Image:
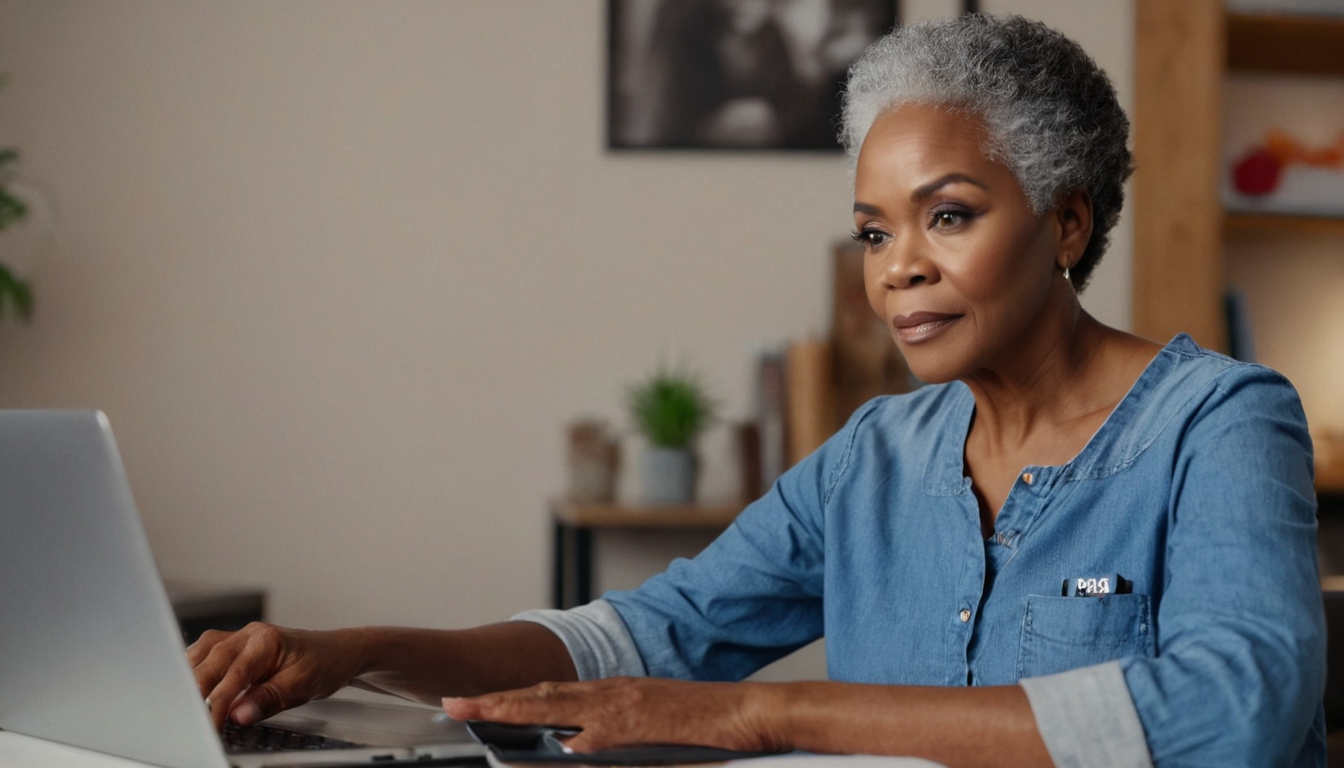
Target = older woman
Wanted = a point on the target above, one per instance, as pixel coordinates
(1074, 545)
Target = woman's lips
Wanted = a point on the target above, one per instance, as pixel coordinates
(921, 325)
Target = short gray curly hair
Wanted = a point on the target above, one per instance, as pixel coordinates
(1051, 113)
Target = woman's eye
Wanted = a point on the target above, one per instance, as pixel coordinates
(869, 238)
(949, 219)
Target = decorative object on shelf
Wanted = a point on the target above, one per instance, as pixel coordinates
(670, 409)
(1284, 175)
(748, 434)
(594, 458)
(810, 390)
(728, 74)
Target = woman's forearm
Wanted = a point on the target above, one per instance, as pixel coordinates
(426, 665)
(990, 726)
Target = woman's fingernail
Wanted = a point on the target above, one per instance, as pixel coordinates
(246, 713)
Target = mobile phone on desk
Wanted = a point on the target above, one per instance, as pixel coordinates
(511, 746)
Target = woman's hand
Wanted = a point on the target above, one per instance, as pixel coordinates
(262, 669)
(623, 711)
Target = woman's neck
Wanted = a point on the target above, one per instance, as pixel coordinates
(1062, 379)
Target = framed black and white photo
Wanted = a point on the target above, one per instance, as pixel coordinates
(734, 74)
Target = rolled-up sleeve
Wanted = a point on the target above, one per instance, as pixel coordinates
(595, 637)
(1087, 718)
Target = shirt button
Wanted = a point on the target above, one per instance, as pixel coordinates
(965, 615)
(1028, 478)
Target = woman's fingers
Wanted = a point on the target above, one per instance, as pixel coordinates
(211, 656)
(198, 650)
(251, 665)
(287, 688)
(626, 711)
(227, 665)
(540, 704)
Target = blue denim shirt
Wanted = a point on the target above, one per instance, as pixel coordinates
(1197, 491)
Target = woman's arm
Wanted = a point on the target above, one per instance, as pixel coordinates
(989, 726)
(262, 669)
(1240, 667)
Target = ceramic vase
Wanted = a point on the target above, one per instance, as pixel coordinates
(667, 476)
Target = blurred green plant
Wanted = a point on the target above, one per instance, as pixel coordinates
(670, 408)
(14, 293)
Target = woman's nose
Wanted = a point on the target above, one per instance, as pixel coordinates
(906, 264)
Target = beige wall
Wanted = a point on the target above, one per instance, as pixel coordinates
(340, 272)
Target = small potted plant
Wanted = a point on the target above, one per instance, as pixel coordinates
(670, 408)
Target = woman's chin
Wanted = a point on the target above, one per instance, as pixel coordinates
(933, 371)
(932, 366)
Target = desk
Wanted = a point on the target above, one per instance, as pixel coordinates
(18, 751)
(572, 535)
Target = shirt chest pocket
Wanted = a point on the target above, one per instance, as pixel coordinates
(1063, 633)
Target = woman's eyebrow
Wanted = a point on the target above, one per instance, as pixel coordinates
(951, 178)
(871, 210)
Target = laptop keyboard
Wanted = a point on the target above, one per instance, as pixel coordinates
(265, 738)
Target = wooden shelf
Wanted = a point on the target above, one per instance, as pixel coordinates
(704, 517)
(1276, 222)
(574, 525)
(1302, 45)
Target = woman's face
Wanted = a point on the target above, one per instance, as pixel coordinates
(955, 262)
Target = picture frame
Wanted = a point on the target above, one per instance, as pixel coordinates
(734, 74)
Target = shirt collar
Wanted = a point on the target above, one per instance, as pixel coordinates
(1140, 416)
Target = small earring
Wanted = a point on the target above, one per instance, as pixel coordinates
(1066, 271)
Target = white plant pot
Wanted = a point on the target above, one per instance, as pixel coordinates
(667, 475)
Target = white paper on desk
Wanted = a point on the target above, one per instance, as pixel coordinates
(835, 761)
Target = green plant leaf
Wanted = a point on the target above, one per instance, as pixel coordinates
(670, 408)
(11, 208)
(18, 293)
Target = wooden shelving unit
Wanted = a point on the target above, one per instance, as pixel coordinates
(1183, 52)
(712, 516)
(574, 523)
(1296, 45)
(1236, 223)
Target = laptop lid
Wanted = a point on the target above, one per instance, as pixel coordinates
(91, 654)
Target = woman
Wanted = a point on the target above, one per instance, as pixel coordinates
(1075, 546)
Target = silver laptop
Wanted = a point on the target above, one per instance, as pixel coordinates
(90, 652)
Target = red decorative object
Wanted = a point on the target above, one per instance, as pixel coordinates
(1258, 172)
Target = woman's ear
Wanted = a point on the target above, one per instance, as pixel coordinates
(1075, 227)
